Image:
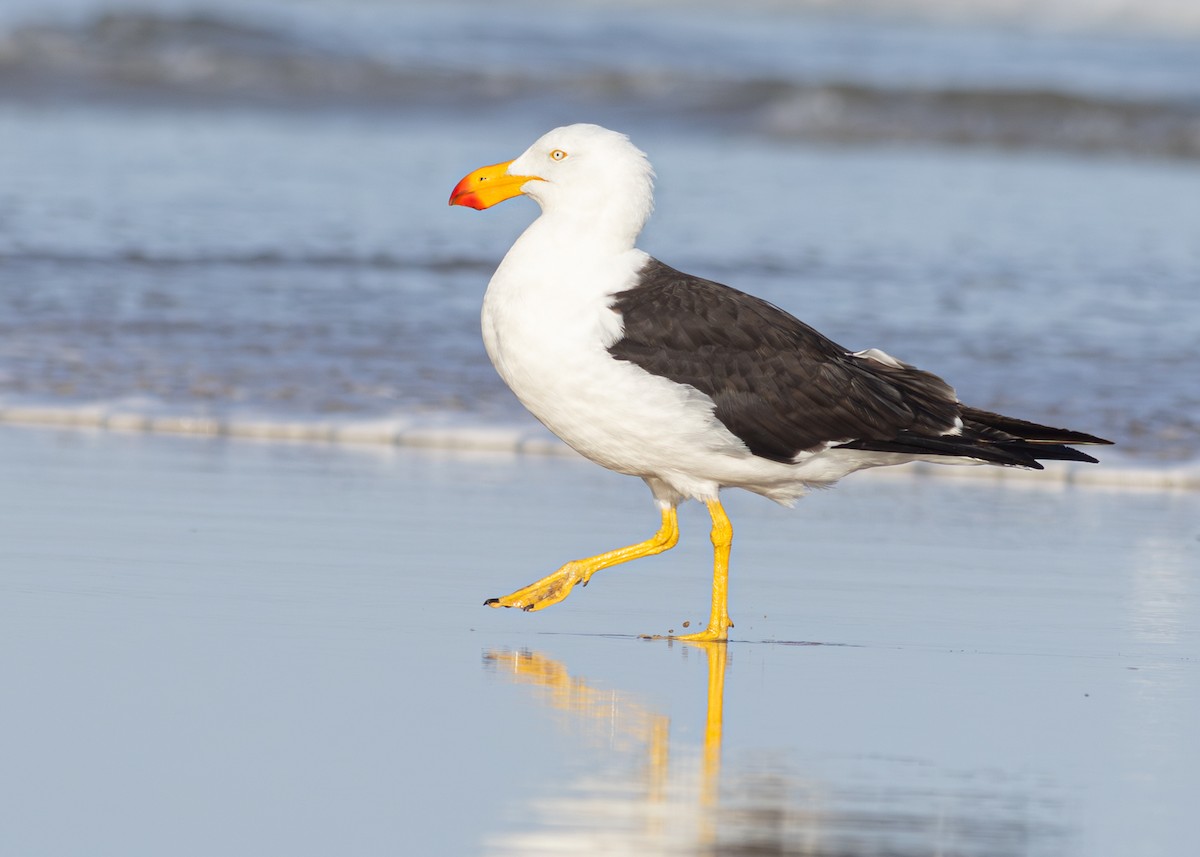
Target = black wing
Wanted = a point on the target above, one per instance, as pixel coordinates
(783, 388)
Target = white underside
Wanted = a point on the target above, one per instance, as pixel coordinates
(547, 326)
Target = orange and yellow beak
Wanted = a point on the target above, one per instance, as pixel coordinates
(487, 186)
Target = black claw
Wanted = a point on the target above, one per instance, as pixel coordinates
(527, 607)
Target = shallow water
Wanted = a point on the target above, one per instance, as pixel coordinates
(246, 648)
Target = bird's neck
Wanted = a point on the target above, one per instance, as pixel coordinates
(583, 237)
(558, 260)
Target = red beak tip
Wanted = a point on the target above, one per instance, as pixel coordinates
(468, 200)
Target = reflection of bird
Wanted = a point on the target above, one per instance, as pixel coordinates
(687, 383)
(628, 812)
(649, 790)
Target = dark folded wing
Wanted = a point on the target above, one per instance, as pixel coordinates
(778, 384)
(783, 388)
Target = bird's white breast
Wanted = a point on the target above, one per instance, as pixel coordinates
(547, 325)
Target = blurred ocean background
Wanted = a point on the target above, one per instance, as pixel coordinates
(231, 216)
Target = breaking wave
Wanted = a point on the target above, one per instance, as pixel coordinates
(1006, 118)
(460, 433)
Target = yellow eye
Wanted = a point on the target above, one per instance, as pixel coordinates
(558, 154)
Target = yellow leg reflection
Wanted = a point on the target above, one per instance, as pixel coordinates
(555, 587)
(677, 798)
(614, 712)
(714, 719)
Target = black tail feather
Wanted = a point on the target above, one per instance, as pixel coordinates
(1056, 452)
(948, 445)
(991, 437)
(974, 418)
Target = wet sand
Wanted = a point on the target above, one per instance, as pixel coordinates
(213, 646)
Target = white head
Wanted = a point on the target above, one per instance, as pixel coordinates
(581, 175)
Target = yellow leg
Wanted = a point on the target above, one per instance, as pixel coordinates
(722, 538)
(557, 586)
